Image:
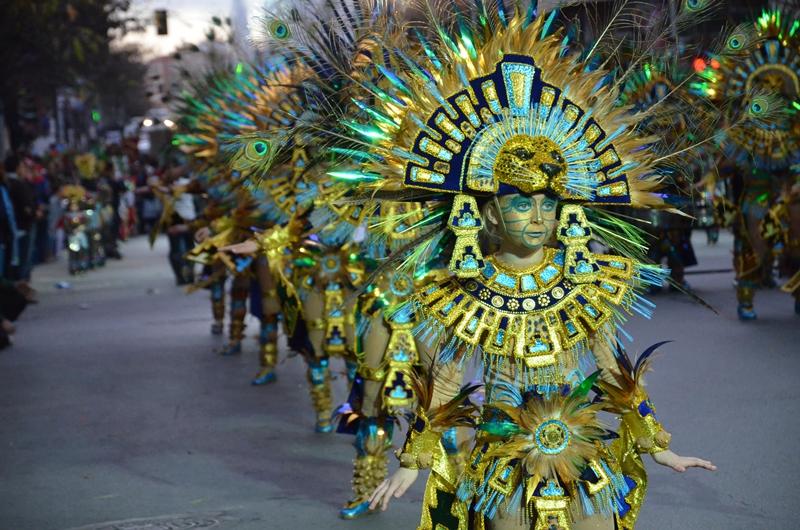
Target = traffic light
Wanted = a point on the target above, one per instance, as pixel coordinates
(161, 21)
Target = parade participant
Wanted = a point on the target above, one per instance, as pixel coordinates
(313, 253)
(179, 226)
(75, 222)
(760, 159)
(387, 355)
(233, 207)
(517, 146)
(23, 199)
(662, 82)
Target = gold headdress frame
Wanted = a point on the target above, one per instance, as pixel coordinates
(529, 137)
(514, 110)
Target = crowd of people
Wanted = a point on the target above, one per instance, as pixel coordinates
(74, 204)
(24, 228)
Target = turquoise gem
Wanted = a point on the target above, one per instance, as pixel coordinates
(469, 262)
(506, 281)
(401, 356)
(398, 392)
(466, 220)
(538, 347)
(575, 231)
(528, 283)
(548, 273)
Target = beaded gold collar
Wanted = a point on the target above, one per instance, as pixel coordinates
(532, 315)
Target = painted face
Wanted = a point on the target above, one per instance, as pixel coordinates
(528, 220)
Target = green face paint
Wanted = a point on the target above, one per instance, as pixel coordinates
(528, 220)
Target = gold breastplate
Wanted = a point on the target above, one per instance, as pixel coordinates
(535, 317)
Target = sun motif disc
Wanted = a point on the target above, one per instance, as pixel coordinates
(552, 437)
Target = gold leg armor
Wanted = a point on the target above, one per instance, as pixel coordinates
(239, 293)
(268, 350)
(320, 389)
(372, 443)
(217, 306)
(744, 295)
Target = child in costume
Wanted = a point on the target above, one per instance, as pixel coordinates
(515, 145)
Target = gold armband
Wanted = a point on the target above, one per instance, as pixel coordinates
(646, 431)
(315, 324)
(372, 374)
(422, 447)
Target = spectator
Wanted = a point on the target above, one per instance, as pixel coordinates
(147, 202)
(14, 298)
(179, 229)
(23, 199)
(9, 243)
(42, 236)
(14, 295)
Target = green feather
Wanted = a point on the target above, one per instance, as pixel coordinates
(502, 429)
(582, 390)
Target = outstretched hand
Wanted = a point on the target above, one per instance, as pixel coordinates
(394, 486)
(681, 463)
(202, 234)
(248, 248)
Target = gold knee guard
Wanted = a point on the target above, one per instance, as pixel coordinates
(269, 355)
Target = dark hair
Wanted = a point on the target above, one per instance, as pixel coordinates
(11, 163)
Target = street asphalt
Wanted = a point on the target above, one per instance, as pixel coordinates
(116, 413)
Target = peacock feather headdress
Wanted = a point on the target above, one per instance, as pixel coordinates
(758, 74)
(493, 100)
